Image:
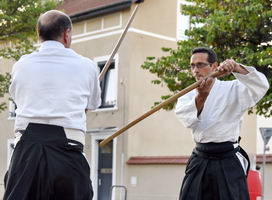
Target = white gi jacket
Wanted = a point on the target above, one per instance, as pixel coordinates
(54, 86)
(222, 113)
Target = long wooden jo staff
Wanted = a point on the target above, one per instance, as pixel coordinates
(115, 49)
(158, 107)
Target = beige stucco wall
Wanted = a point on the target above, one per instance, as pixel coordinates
(160, 134)
(154, 182)
(268, 182)
(157, 16)
(248, 133)
(6, 128)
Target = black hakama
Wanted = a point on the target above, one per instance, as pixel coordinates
(214, 172)
(45, 167)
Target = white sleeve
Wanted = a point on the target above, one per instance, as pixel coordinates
(95, 98)
(186, 110)
(12, 84)
(251, 87)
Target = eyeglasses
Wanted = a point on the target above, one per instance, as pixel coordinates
(199, 65)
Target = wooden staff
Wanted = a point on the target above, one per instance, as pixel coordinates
(115, 49)
(158, 107)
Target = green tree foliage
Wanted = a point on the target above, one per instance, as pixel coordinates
(4, 82)
(18, 20)
(238, 29)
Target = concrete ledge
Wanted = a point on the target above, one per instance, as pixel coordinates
(168, 160)
(259, 158)
(151, 160)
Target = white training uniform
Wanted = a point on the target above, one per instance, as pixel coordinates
(62, 85)
(221, 117)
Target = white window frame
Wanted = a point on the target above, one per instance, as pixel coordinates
(116, 63)
(10, 149)
(181, 30)
(12, 113)
(180, 35)
(97, 135)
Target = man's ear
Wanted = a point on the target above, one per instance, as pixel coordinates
(66, 36)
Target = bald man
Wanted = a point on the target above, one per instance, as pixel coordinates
(52, 88)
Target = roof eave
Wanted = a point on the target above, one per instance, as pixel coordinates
(103, 10)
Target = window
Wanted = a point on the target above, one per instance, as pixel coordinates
(183, 21)
(10, 149)
(108, 85)
(12, 108)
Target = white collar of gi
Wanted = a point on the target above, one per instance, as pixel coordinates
(51, 44)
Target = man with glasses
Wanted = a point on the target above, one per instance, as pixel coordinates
(218, 166)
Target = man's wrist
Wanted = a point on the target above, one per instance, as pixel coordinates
(240, 69)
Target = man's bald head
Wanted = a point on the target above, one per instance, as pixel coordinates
(52, 24)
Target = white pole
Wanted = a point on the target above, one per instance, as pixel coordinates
(263, 177)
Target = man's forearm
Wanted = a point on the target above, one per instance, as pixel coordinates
(240, 69)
